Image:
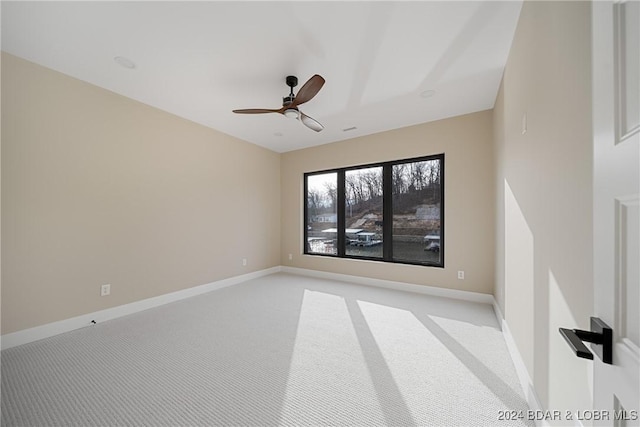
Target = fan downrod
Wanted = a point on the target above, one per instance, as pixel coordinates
(292, 81)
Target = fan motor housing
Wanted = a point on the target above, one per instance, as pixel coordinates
(287, 100)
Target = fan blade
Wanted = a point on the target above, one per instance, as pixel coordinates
(310, 123)
(308, 90)
(256, 111)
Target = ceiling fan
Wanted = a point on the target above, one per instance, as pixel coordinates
(290, 103)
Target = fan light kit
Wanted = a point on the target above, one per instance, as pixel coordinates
(292, 113)
(290, 103)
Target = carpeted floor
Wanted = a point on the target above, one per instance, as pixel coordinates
(279, 350)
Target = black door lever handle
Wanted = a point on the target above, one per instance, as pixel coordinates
(600, 336)
(576, 343)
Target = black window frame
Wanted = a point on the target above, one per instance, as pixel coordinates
(387, 197)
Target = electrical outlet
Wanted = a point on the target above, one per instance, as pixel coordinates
(461, 275)
(105, 290)
(244, 261)
(290, 257)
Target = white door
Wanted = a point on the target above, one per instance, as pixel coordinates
(616, 115)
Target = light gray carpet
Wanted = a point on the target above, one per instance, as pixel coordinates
(279, 350)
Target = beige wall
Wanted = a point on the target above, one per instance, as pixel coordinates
(469, 199)
(98, 188)
(544, 196)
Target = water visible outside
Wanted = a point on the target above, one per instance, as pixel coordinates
(415, 190)
(402, 251)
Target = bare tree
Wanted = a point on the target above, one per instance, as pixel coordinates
(419, 174)
(354, 187)
(433, 172)
(372, 180)
(434, 176)
(398, 178)
(331, 192)
(314, 201)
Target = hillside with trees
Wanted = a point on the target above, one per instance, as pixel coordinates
(415, 196)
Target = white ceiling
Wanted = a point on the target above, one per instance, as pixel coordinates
(200, 60)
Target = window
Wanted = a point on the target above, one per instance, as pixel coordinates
(363, 212)
(322, 213)
(392, 211)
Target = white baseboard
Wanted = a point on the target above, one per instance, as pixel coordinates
(50, 329)
(401, 286)
(44, 331)
(523, 374)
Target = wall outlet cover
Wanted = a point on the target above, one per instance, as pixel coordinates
(105, 290)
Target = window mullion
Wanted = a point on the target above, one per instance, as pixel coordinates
(387, 213)
(341, 213)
